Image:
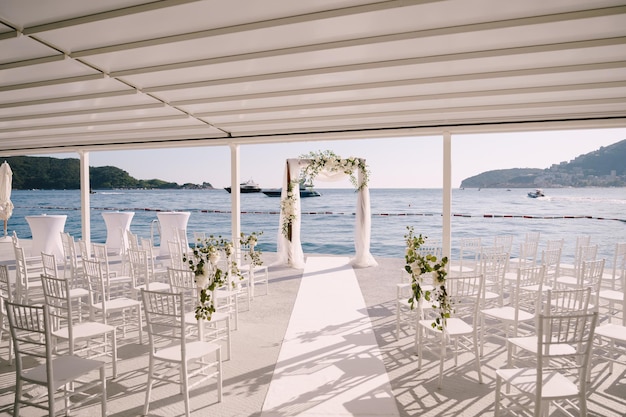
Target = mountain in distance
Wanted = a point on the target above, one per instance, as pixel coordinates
(45, 173)
(605, 167)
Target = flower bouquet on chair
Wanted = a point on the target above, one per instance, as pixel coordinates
(204, 262)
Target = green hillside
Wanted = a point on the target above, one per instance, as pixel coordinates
(47, 173)
(605, 167)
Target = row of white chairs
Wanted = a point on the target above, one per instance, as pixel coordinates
(93, 270)
(516, 318)
(56, 321)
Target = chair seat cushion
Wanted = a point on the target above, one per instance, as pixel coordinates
(613, 331)
(507, 313)
(84, 330)
(154, 286)
(554, 384)
(65, 370)
(78, 292)
(194, 350)
(529, 343)
(454, 326)
(612, 295)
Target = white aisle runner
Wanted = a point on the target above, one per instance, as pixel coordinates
(329, 363)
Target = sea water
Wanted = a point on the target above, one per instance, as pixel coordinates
(328, 222)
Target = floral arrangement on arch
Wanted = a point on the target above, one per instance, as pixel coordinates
(319, 162)
(331, 162)
(420, 266)
(204, 262)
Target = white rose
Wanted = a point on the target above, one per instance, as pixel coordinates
(214, 257)
(202, 280)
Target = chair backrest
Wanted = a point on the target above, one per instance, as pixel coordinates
(181, 236)
(584, 254)
(31, 335)
(175, 254)
(470, 250)
(591, 276)
(493, 263)
(57, 297)
(97, 284)
(528, 253)
(183, 281)
(85, 251)
(139, 268)
(165, 318)
(620, 274)
(70, 258)
(555, 244)
(21, 272)
(49, 263)
(69, 252)
(567, 301)
(466, 293)
(560, 333)
(551, 259)
(528, 288)
(101, 254)
(133, 241)
(504, 240)
(6, 292)
(147, 245)
(618, 265)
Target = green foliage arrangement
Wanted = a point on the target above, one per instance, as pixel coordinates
(204, 262)
(420, 265)
(250, 242)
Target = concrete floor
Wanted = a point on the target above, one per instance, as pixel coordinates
(256, 348)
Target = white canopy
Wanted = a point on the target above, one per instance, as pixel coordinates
(134, 73)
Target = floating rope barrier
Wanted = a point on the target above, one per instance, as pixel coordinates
(339, 213)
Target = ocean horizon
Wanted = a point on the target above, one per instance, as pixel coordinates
(328, 221)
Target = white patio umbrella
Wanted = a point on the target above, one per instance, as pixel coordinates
(6, 206)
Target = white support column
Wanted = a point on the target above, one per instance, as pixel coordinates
(447, 194)
(235, 194)
(85, 204)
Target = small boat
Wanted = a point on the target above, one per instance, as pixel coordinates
(247, 187)
(306, 190)
(536, 194)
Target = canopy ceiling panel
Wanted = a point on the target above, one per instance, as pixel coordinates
(60, 91)
(81, 104)
(128, 73)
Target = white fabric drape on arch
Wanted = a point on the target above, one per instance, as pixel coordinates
(290, 252)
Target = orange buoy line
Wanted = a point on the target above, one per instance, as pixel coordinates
(339, 213)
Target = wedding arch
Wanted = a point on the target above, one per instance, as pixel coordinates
(325, 166)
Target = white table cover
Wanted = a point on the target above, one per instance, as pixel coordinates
(117, 224)
(171, 222)
(46, 231)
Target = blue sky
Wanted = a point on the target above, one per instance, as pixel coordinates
(410, 162)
